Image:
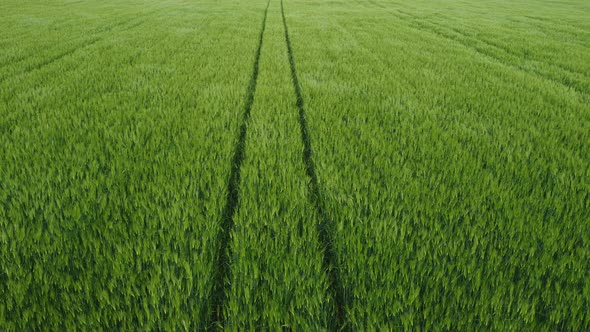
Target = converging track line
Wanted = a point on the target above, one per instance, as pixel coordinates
(218, 297)
(325, 223)
(46, 62)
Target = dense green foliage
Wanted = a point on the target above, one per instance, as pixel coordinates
(364, 165)
(457, 172)
(113, 167)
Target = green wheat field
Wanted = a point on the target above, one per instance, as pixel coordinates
(295, 165)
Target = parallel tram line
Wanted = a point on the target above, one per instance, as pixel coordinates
(423, 25)
(488, 43)
(382, 61)
(559, 25)
(325, 224)
(218, 297)
(86, 44)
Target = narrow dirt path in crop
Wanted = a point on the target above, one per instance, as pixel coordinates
(325, 223)
(218, 297)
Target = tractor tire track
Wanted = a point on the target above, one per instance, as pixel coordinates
(383, 62)
(26, 34)
(548, 27)
(62, 55)
(563, 26)
(325, 224)
(500, 47)
(218, 297)
(418, 24)
(568, 83)
(24, 31)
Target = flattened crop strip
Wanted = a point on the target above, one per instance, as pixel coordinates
(325, 222)
(218, 297)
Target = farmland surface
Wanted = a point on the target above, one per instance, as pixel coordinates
(295, 164)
